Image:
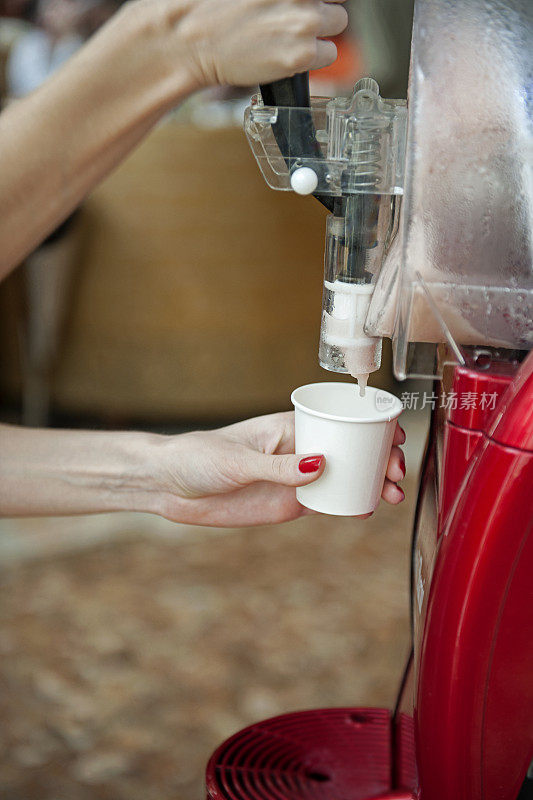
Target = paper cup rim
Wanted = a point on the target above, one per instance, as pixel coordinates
(394, 413)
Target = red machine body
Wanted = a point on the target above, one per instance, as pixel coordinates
(463, 726)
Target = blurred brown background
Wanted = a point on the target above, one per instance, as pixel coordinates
(184, 293)
(197, 291)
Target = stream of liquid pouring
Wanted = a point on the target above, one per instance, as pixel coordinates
(362, 380)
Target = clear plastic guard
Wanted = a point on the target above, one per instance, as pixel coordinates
(358, 143)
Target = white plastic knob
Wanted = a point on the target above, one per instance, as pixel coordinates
(304, 180)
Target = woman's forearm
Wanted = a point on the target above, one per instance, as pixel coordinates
(57, 143)
(53, 472)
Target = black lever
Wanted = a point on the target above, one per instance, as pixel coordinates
(288, 92)
(300, 140)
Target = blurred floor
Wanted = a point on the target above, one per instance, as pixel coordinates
(130, 647)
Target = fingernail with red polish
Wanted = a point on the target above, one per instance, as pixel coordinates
(402, 466)
(310, 464)
(402, 493)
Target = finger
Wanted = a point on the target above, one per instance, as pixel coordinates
(391, 493)
(286, 441)
(308, 512)
(326, 54)
(399, 434)
(334, 19)
(278, 433)
(289, 470)
(270, 433)
(396, 465)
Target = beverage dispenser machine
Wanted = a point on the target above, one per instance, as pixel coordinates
(428, 242)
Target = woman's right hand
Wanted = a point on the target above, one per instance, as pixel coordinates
(247, 42)
(61, 140)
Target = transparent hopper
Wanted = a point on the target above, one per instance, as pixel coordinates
(461, 270)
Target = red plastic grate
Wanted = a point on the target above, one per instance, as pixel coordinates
(339, 753)
(406, 773)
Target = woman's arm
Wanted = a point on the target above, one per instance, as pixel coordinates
(57, 143)
(61, 472)
(243, 474)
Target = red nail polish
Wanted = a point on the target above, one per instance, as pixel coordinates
(402, 467)
(310, 464)
(402, 493)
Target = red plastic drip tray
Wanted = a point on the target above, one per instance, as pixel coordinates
(327, 754)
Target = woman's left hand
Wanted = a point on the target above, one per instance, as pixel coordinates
(245, 474)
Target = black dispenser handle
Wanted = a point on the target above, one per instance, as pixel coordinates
(299, 141)
(287, 92)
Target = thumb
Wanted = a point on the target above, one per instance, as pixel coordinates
(290, 470)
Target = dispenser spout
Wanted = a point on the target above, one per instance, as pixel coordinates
(344, 345)
(350, 153)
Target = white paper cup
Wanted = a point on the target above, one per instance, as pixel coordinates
(355, 434)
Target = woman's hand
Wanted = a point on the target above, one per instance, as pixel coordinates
(245, 474)
(246, 42)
